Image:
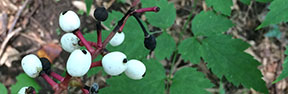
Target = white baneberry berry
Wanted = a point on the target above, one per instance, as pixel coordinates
(117, 39)
(31, 65)
(135, 69)
(69, 42)
(113, 63)
(78, 63)
(69, 21)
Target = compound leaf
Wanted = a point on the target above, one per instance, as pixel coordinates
(3, 89)
(189, 81)
(152, 83)
(22, 81)
(276, 14)
(223, 6)
(165, 46)
(208, 23)
(284, 73)
(165, 17)
(190, 50)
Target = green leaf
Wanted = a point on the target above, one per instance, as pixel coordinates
(93, 71)
(264, 1)
(165, 17)
(226, 57)
(190, 50)
(88, 5)
(112, 19)
(277, 13)
(121, 1)
(221, 88)
(189, 81)
(247, 2)
(284, 73)
(22, 81)
(152, 83)
(3, 89)
(208, 23)
(223, 6)
(165, 46)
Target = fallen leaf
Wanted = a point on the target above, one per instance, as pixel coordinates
(10, 55)
(49, 51)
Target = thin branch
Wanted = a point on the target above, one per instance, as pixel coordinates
(18, 15)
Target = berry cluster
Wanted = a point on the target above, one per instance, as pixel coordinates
(80, 61)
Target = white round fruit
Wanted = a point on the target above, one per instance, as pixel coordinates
(78, 63)
(117, 39)
(135, 69)
(113, 63)
(22, 90)
(69, 21)
(69, 42)
(31, 65)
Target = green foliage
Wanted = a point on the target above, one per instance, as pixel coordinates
(93, 71)
(80, 12)
(165, 17)
(284, 73)
(247, 2)
(224, 55)
(274, 32)
(277, 13)
(221, 88)
(3, 89)
(88, 5)
(112, 19)
(189, 50)
(22, 81)
(189, 81)
(121, 1)
(152, 83)
(223, 6)
(264, 1)
(165, 46)
(208, 23)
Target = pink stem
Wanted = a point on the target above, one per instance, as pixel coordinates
(57, 76)
(89, 42)
(96, 64)
(49, 80)
(99, 36)
(84, 41)
(66, 80)
(85, 91)
(150, 9)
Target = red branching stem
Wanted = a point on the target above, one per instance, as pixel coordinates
(57, 76)
(99, 36)
(89, 42)
(53, 84)
(85, 91)
(84, 41)
(96, 64)
(65, 82)
(124, 22)
(150, 9)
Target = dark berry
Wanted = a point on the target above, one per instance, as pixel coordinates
(100, 14)
(150, 42)
(46, 65)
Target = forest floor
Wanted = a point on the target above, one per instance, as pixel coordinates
(38, 26)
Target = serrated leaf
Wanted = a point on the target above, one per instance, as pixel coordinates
(165, 17)
(22, 81)
(152, 83)
(208, 23)
(88, 5)
(189, 81)
(223, 6)
(165, 46)
(226, 57)
(3, 89)
(277, 13)
(190, 50)
(284, 73)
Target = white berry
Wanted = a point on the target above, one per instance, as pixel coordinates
(113, 63)
(78, 63)
(69, 42)
(31, 65)
(22, 90)
(117, 39)
(69, 21)
(135, 69)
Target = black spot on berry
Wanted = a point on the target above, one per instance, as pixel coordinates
(144, 74)
(157, 9)
(84, 51)
(100, 14)
(125, 60)
(64, 12)
(29, 90)
(150, 42)
(46, 65)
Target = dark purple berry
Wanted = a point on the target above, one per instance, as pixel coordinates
(100, 14)
(150, 42)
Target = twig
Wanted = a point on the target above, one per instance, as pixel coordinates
(9, 36)
(4, 24)
(18, 15)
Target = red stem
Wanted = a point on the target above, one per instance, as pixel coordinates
(66, 81)
(96, 64)
(84, 41)
(99, 35)
(150, 9)
(89, 42)
(57, 76)
(53, 84)
(85, 91)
